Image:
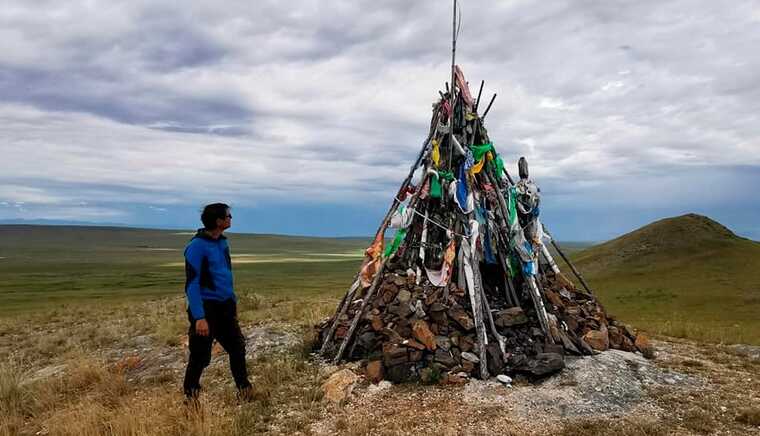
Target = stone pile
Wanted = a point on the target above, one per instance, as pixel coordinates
(419, 332)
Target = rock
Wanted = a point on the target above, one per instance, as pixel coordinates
(400, 309)
(642, 344)
(444, 358)
(439, 317)
(466, 343)
(459, 315)
(422, 333)
(419, 311)
(616, 338)
(553, 348)
(375, 371)
(543, 364)
(554, 298)
(470, 357)
(404, 296)
(510, 317)
(454, 339)
(443, 342)
(627, 345)
(394, 354)
(367, 340)
(629, 331)
(437, 307)
(400, 373)
(339, 386)
(494, 358)
(142, 340)
(392, 336)
(456, 379)
(399, 280)
(380, 387)
(46, 372)
(411, 343)
(388, 294)
(377, 324)
(504, 379)
(598, 339)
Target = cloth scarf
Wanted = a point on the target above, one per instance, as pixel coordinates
(372, 260)
(435, 182)
(486, 152)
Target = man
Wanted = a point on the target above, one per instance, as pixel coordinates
(212, 304)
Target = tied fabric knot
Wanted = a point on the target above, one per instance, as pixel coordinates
(435, 182)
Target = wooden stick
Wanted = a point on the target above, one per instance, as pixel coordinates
(358, 315)
(538, 301)
(488, 108)
(499, 338)
(477, 102)
(567, 261)
(474, 289)
(340, 311)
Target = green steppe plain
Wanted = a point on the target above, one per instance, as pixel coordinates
(707, 288)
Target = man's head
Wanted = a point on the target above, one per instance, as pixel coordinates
(216, 216)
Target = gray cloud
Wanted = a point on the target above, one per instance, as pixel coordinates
(329, 101)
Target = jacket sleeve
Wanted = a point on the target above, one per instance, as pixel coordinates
(193, 259)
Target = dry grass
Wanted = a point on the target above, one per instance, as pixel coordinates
(699, 420)
(623, 427)
(92, 398)
(749, 416)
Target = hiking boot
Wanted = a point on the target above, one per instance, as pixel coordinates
(246, 394)
(192, 400)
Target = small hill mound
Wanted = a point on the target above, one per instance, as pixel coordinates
(674, 237)
(683, 276)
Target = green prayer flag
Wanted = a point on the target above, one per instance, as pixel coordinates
(512, 205)
(478, 151)
(393, 248)
(435, 187)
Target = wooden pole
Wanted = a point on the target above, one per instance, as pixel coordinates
(358, 315)
(488, 108)
(477, 102)
(339, 312)
(453, 81)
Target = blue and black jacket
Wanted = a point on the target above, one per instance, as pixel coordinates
(209, 272)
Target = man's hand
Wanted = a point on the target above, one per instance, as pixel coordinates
(201, 327)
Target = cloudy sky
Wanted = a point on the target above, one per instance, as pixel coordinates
(306, 115)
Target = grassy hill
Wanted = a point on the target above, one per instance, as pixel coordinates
(54, 266)
(684, 276)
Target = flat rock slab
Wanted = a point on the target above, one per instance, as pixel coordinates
(613, 382)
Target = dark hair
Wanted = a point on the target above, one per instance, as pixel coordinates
(213, 212)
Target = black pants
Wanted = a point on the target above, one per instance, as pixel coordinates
(223, 326)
